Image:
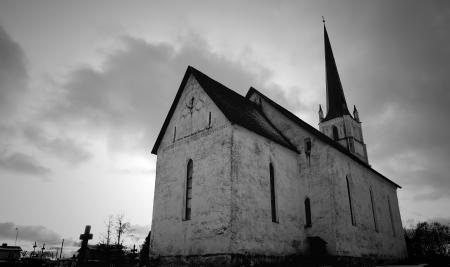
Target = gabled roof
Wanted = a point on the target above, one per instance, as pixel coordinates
(336, 104)
(235, 107)
(315, 132)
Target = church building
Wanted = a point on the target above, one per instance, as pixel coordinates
(244, 179)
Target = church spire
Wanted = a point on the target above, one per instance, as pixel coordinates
(338, 123)
(336, 104)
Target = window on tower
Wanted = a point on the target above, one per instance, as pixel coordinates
(351, 144)
(335, 133)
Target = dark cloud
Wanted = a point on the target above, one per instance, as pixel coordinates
(14, 94)
(13, 91)
(131, 94)
(64, 148)
(22, 163)
(30, 233)
(13, 74)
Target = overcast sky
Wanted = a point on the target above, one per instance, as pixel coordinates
(86, 85)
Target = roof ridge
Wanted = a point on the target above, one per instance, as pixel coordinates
(223, 86)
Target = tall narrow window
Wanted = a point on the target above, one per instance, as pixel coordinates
(174, 133)
(391, 217)
(272, 193)
(373, 210)
(335, 133)
(187, 215)
(209, 120)
(308, 146)
(308, 213)
(350, 201)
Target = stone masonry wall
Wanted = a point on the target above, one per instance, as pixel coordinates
(323, 175)
(252, 226)
(373, 234)
(315, 180)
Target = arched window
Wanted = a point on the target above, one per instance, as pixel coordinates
(335, 133)
(308, 213)
(187, 214)
(350, 201)
(391, 216)
(272, 193)
(373, 210)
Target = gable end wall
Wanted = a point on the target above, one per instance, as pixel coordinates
(210, 149)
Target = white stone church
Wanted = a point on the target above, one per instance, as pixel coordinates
(242, 179)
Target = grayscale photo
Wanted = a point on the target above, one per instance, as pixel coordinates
(224, 133)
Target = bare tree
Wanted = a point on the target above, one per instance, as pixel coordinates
(106, 237)
(122, 227)
(109, 225)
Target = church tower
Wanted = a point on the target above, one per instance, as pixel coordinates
(339, 124)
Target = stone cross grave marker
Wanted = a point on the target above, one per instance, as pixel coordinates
(84, 242)
(86, 236)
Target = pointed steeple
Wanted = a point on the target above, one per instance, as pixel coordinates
(338, 123)
(355, 113)
(336, 104)
(320, 113)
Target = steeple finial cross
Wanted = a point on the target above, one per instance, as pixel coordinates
(323, 20)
